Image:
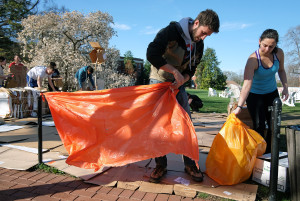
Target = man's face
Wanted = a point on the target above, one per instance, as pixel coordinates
(200, 32)
(49, 71)
(17, 59)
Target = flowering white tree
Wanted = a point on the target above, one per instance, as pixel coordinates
(292, 50)
(64, 38)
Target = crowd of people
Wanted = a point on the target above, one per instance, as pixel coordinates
(174, 55)
(37, 74)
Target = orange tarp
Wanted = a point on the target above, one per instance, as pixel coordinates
(114, 127)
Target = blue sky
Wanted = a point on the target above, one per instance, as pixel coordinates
(242, 22)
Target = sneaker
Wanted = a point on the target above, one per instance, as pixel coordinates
(194, 172)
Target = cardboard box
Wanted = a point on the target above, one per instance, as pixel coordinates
(97, 55)
(261, 171)
(19, 77)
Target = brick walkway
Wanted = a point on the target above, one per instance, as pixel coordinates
(40, 186)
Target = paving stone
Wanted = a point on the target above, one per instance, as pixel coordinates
(124, 199)
(84, 186)
(5, 197)
(3, 170)
(23, 195)
(150, 196)
(59, 188)
(106, 197)
(80, 198)
(8, 191)
(38, 176)
(162, 197)
(138, 195)
(94, 188)
(23, 187)
(44, 191)
(74, 183)
(116, 191)
(19, 174)
(23, 181)
(187, 199)
(6, 184)
(83, 192)
(64, 196)
(57, 179)
(42, 185)
(174, 198)
(47, 178)
(66, 181)
(44, 198)
(105, 189)
(10, 172)
(6, 178)
(126, 193)
(29, 175)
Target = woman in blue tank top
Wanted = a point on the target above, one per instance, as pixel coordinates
(260, 87)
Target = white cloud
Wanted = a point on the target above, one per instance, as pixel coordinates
(121, 26)
(234, 26)
(149, 30)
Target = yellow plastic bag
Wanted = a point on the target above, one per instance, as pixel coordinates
(233, 152)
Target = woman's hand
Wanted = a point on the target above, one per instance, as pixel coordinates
(237, 110)
(285, 94)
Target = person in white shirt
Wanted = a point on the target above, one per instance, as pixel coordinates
(36, 75)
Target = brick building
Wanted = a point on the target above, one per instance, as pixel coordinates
(136, 69)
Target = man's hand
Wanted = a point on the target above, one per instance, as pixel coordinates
(179, 79)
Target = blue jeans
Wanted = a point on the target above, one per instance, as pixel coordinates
(182, 99)
(31, 82)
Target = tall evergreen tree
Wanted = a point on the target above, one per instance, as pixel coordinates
(208, 72)
(146, 72)
(129, 63)
(11, 14)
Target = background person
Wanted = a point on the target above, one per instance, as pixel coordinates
(174, 54)
(260, 87)
(36, 75)
(17, 62)
(2, 76)
(55, 76)
(82, 74)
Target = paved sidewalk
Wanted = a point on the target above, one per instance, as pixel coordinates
(40, 186)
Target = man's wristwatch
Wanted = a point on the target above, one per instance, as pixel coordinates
(240, 106)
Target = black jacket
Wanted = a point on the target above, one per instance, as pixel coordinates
(169, 47)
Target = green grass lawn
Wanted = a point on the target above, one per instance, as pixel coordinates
(210, 104)
(219, 105)
(290, 116)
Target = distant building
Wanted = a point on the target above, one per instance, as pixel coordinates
(137, 71)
